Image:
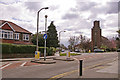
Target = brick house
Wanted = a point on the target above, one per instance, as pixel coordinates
(12, 33)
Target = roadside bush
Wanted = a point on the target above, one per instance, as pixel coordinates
(72, 54)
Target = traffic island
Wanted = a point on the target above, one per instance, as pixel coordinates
(64, 59)
(47, 61)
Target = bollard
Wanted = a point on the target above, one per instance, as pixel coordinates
(80, 67)
(89, 51)
(37, 55)
(68, 54)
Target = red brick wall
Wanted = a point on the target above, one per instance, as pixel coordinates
(15, 41)
(7, 41)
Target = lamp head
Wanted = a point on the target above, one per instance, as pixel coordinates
(46, 16)
(46, 8)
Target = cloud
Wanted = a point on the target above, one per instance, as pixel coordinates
(119, 6)
(7, 2)
(112, 7)
(84, 6)
(70, 16)
(34, 6)
(54, 7)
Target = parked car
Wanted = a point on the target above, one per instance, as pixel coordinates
(118, 50)
(77, 50)
(98, 50)
(63, 50)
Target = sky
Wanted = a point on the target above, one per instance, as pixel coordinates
(73, 16)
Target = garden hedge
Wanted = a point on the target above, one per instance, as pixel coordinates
(23, 49)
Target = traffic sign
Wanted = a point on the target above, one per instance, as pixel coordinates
(45, 36)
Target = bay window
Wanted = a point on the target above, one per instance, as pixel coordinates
(5, 34)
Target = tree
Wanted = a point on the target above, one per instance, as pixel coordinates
(73, 41)
(70, 47)
(40, 39)
(63, 46)
(52, 40)
(84, 43)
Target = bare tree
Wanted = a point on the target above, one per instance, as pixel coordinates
(73, 41)
(84, 43)
(63, 46)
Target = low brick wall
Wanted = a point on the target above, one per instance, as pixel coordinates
(17, 56)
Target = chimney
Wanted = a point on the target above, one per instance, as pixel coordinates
(1, 22)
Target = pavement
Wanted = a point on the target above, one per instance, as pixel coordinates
(111, 69)
(23, 59)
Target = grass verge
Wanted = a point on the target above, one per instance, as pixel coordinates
(72, 54)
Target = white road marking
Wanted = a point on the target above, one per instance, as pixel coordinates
(5, 65)
(23, 64)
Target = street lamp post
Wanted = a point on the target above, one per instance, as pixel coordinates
(59, 39)
(38, 25)
(45, 39)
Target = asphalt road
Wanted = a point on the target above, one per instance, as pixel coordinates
(63, 69)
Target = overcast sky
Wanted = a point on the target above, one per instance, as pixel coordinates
(74, 16)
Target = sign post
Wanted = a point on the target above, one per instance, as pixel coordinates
(45, 37)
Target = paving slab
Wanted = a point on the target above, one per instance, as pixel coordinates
(111, 69)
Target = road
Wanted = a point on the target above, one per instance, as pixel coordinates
(94, 66)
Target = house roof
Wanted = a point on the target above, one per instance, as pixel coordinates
(15, 27)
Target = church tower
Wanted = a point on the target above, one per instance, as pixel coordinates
(96, 35)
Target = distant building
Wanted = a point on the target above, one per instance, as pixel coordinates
(12, 33)
(97, 40)
(96, 35)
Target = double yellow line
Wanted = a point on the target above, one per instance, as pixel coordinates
(70, 72)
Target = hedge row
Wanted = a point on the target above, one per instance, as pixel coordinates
(22, 49)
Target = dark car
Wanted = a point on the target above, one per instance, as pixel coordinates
(118, 50)
(98, 50)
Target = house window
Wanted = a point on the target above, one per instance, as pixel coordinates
(26, 37)
(16, 36)
(5, 34)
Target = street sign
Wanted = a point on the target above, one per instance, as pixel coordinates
(45, 36)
